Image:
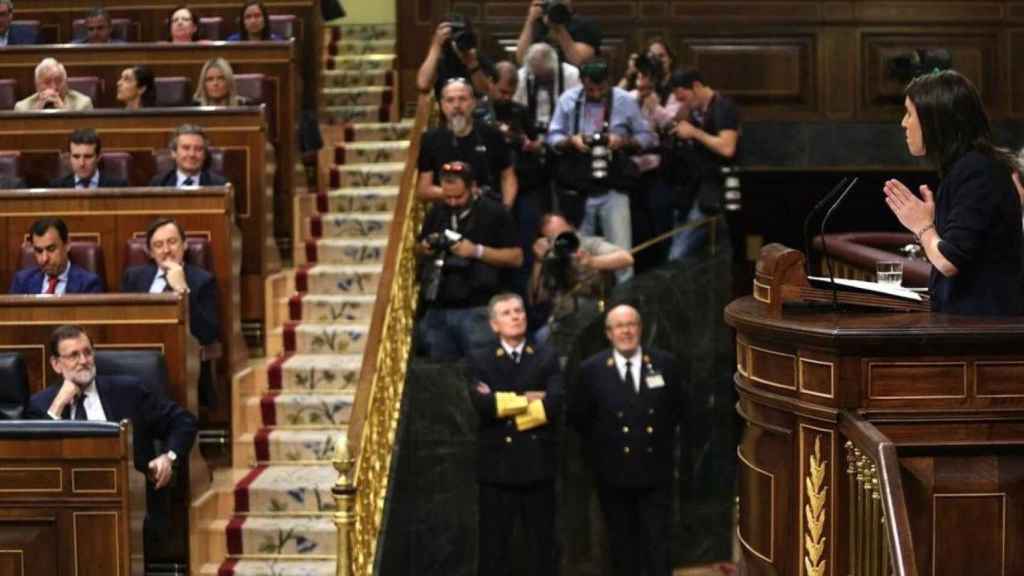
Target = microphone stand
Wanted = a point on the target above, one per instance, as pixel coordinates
(810, 216)
(824, 243)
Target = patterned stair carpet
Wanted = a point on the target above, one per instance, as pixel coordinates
(278, 497)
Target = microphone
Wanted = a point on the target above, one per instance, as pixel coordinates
(810, 216)
(824, 244)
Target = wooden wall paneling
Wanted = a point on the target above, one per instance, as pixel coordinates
(1015, 64)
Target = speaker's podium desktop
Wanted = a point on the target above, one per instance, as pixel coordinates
(71, 502)
(875, 441)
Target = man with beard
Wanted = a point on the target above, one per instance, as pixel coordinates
(54, 273)
(481, 146)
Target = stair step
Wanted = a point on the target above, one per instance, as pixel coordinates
(354, 225)
(286, 489)
(358, 96)
(355, 46)
(377, 131)
(358, 113)
(354, 78)
(278, 536)
(246, 567)
(299, 410)
(310, 338)
(347, 250)
(371, 152)
(367, 175)
(319, 372)
(284, 446)
(335, 279)
(361, 199)
(362, 31)
(361, 62)
(329, 308)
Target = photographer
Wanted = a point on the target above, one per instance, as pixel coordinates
(542, 79)
(656, 62)
(453, 54)
(595, 128)
(464, 242)
(553, 21)
(570, 272)
(462, 139)
(712, 132)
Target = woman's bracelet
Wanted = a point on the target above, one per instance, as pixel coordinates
(923, 230)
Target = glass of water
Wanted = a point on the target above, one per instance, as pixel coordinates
(890, 272)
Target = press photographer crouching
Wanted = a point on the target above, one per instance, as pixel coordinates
(595, 129)
(464, 242)
(462, 139)
(570, 273)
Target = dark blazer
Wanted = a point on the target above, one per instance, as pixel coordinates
(80, 281)
(105, 181)
(153, 416)
(978, 218)
(11, 183)
(170, 179)
(20, 35)
(628, 437)
(507, 456)
(204, 320)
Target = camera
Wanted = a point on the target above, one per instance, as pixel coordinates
(557, 272)
(463, 37)
(557, 12)
(440, 243)
(600, 155)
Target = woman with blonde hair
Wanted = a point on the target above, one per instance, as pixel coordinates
(216, 85)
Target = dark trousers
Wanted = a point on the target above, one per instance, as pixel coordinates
(533, 507)
(639, 523)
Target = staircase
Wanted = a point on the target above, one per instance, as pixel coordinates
(271, 513)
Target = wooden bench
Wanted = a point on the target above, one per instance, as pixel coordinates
(275, 60)
(238, 132)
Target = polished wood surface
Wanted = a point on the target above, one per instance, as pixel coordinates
(276, 60)
(802, 60)
(70, 505)
(239, 132)
(110, 217)
(947, 391)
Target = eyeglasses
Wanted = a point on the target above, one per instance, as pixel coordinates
(79, 355)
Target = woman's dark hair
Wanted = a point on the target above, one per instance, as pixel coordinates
(144, 79)
(953, 120)
(265, 33)
(170, 22)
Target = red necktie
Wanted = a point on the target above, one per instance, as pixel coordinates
(51, 284)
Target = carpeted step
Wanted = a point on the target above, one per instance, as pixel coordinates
(309, 338)
(251, 535)
(362, 199)
(335, 279)
(378, 131)
(371, 152)
(355, 46)
(360, 113)
(352, 78)
(363, 31)
(284, 567)
(286, 489)
(367, 175)
(348, 251)
(318, 372)
(282, 410)
(283, 446)
(357, 96)
(362, 62)
(358, 225)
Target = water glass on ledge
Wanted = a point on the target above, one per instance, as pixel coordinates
(889, 272)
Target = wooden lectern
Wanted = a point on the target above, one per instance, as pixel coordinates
(876, 442)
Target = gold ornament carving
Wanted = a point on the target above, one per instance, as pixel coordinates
(815, 513)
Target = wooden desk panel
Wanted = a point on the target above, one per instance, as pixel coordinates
(80, 496)
(276, 60)
(240, 132)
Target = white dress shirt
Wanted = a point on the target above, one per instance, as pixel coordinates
(62, 282)
(94, 182)
(93, 406)
(182, 177)
(518, 350)
(634, 367)
(159, 282)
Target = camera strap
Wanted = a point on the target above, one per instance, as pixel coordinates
(553, 93)
(578, 114)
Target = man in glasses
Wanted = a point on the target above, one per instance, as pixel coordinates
(463, 139)
(53, 273)
(85, 395)
(464, 243)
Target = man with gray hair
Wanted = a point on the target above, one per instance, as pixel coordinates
(542, 79)
(190, 150)
(52, 91)
(13, 36)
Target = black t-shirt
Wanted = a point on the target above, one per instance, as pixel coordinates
(580, 29)
(484, 148)
(721, 114)
(451, 66)
(468, 283)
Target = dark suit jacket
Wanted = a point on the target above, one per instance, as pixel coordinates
(80, 281)
(18, 35)
(153, 416)
(105, 181)
(507, 456)
(204, 320)
(628, 437)
(170, 179)
(11, 183)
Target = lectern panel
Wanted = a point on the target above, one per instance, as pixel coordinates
(27, 539)
(96, 543)
(982, 548)
(917, 380)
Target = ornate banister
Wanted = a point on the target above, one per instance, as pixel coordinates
(879, 538)
(365, 462)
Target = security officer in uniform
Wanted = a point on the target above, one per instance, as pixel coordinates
(517, 391)
(626, 404)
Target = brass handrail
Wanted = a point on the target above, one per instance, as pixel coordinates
(877, 499)
(364, 461)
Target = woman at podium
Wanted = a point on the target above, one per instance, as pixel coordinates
(970, 228)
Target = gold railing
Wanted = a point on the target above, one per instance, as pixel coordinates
(878, 540)
(364, 462)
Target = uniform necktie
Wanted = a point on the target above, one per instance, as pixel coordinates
(629, 375)
(80, 408)
(515, 356)
(51, 284)
(188, 181)
(167, 284)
